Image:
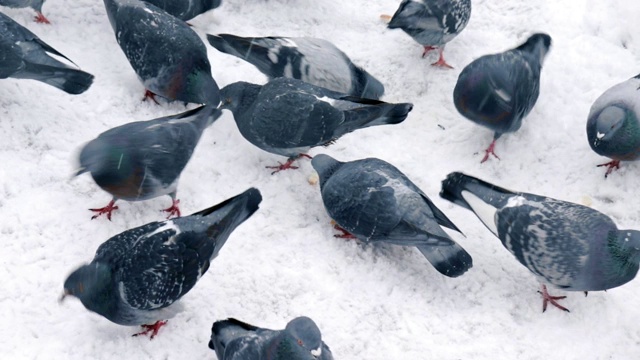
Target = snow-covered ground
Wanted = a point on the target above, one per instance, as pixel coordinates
(381, 302)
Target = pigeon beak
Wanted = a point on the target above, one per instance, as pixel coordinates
(64, 295)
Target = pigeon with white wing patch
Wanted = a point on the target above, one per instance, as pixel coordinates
(137, 276)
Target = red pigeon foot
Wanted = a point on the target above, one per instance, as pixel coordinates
(153, 329)
(611, 166)
(105, 210)
(173, 209)
(546, 298)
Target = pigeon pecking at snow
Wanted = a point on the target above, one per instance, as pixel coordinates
(169, 58)
(432, 23)
(289, 116)
(613, 128)
(143, 159)
(375, 202)
(137, 277)
(24, 56)
(185, 9)
(569, 246)
(300, 340)
(315, 61)
(34, 4)
(498, 90)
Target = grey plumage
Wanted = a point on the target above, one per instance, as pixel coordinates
(432, 23)
(137, 276)
(315, 61)
(288, 116)
(34, 4)
(23, 55)
(376, 202)
(569, 246)
(300, 340)
(185, 9)
(613, 125)
(498, 90)
(169, 58)
(144, 159)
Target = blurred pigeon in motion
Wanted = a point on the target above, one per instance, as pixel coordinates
(432, 23)
(497, 91)
(34, 4)
(137, 276)
(613, 128)
(143, 159)
(567, 245)
(375, 202)
(315, 61)
(185, 9)
(289, 116)
(167, 55)
(24, 56)
(300, 340)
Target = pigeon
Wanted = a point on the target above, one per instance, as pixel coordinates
(566, 245)
(432, 23)
(185, 9)
(137, 276)
(288, 116)
(300, 340)
(167, 55)
(497, 91)
(34, 4)
(143, 159)
(315, 61)
(24, 56)
(376, 203)
(613, 128)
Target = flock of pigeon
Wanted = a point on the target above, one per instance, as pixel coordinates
(314, 95)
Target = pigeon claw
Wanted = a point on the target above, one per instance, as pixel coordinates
(149, 95)
(611, 166)
(546, 299)
(152, 329)
(490, 151)
(289, 164)
(345, 234)
(105, 210)
(173, 209)
(427, 49)
(40, 18)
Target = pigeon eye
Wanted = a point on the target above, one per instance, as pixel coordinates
(227, 101)
(300, 342)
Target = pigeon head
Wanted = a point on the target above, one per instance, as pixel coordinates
(306, 334)
(325, 166)
(89, 283)
(608, 123)
(538, 44)
(101, 158)
(239, 96)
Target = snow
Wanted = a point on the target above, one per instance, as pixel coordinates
(382, 302)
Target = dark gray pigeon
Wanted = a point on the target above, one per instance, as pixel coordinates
(569, 246)
(289, 116)
(375, 202)
(613, 125)
(312, 60)
(143, 159)
(169, 58)
(34, 4)
(24, 56)
(185, 9)
(300, 340)
(137, 276)
(432, 23)
(497, 91)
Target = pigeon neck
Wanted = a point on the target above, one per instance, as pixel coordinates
(624, 247)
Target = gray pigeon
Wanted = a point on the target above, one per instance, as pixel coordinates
(376, 203)
(34, 4)
(185, 9)
(143, 159)
(315, 61)
(24, 56)
(497, 91)
(169, 58)
(432, 23)
(137, 276)
(300, 340)
(289, 116)
(613, 128)
(569, 246)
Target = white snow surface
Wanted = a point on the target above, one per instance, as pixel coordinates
(382, 302)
